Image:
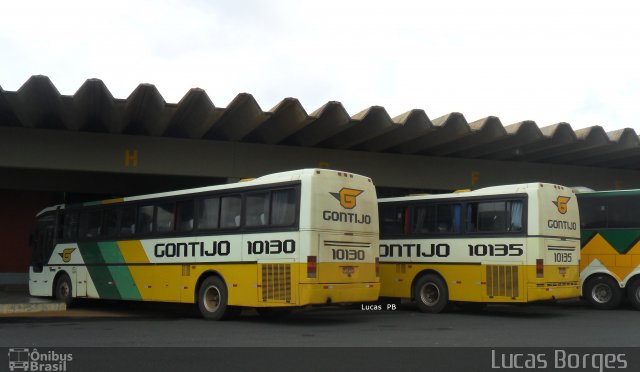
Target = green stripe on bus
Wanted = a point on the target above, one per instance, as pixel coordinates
(100, 274)
(621, 240)
(121, 274)
(124, 283)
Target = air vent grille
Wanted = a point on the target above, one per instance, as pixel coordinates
(276, 283)
(502, 281)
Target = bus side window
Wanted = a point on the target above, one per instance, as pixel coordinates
(392, 220)
(164, 217)
(110, 221)
(283, 207)
(516, 212)
(472, 216)
(145, 219)
(128, 221)
(257, 209)
(424, 220)
(593, 212)
(623, 211)
(492, 216)
(230, 209)
(208, 213)
(70, 229)
(185, 215)
(90, 223)
(448, 218)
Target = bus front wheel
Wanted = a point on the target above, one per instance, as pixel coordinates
(633, 292)
(63, 290)
(431, 293)
(212, 300)
(603, 292)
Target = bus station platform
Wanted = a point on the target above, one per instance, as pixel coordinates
(15, 299)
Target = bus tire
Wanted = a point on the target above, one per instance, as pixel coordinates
(62, 290)
(603, 292)
(213, 300)
(431, 293)
(633, 293)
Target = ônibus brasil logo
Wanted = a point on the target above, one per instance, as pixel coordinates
(25, 359)
(561, 203)
(347, 197)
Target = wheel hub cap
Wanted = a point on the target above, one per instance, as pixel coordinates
(601, 293)
(430, 294)
(212, 299)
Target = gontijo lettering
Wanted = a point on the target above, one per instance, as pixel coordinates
(348, 200)
(192, 249)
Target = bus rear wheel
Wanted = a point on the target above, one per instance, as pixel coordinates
(633, 293)
(431, 293)
(213, 298)
(603, 292)
(63, 290)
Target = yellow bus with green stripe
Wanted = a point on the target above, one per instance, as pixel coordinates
(306, 237)
(503, 244)
(610, 255)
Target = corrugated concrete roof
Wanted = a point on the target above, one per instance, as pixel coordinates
(38, 104)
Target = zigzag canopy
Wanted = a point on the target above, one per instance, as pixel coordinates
(38, 104)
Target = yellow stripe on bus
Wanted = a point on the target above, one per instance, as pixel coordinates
(113, 201)
(133, 253)
(619, 265)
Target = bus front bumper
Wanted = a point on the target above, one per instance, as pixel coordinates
(316, 294)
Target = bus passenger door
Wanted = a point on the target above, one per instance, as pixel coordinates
(80, 280)
(42, 242)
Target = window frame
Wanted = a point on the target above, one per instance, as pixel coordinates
(296, 186)
(463, 202)
(606, 199)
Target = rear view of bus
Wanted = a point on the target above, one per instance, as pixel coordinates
(555, 273)
(502, 244)
(339, 233)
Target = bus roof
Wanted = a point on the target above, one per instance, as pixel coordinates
(609, 192)
(485, 191)
(263, 180)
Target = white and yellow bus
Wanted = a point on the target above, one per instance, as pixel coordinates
(503, 244)
(283, 240)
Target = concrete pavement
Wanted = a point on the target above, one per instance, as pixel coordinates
(15, 299)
